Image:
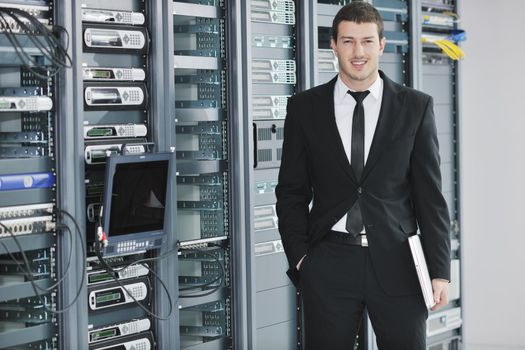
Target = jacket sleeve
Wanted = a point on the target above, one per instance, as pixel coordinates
(293, 190)
(429, 203)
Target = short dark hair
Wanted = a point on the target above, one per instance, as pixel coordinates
(358, 12)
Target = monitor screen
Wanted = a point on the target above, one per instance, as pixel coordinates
(135, 201)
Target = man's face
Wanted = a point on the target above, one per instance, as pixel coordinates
(358, 48)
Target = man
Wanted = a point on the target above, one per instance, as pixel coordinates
(365, 150)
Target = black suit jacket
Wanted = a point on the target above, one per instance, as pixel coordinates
(400, 187)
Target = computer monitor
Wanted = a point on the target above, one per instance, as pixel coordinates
(136, 201)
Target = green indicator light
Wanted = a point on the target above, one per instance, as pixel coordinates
(99, 132)
(108, 297)
(5, 105)
(99, 277)
(101, 74)
(107, 333)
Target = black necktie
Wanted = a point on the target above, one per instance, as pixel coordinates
(354, 220)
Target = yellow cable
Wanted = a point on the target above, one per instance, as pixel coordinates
(435, 42)
(454, 49)
(446, 50)
(450, 13)
(459, 52)
(449, 48)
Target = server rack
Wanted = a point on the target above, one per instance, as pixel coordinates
(203, 127)
(30, 272)
(439, 77)
(276, 63)
(128, 67)
(116, 119)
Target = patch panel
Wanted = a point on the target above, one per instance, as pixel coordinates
(20, 211)
(23, 226)
(15, 27)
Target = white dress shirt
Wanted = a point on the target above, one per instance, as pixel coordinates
(344, 105)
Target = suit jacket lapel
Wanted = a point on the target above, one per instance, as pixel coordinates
(334, 138)
(390, 109)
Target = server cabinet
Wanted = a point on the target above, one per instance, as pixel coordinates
(275, 37)
(116, 89)
(203, 127)
(30, 269)
(152, 73)
(439, 78)
(113, 102)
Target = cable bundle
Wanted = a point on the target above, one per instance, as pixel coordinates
(25, 267)
(215, 284)
(446, 45)
(40, 36)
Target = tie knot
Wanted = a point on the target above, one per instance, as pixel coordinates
(359, 96)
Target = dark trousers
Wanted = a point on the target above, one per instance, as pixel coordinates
(337, 282)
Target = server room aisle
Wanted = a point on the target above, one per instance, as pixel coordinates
(140, 146)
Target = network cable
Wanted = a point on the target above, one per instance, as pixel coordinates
(33, 30)
(114, 274)
(446, 45)
(176, 250)
(41, 37)
(26, 260)
(219, 278)
(30, 276)
(101, 239)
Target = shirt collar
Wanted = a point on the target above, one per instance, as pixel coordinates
(340, 91)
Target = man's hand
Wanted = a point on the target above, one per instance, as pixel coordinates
(440, 288)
